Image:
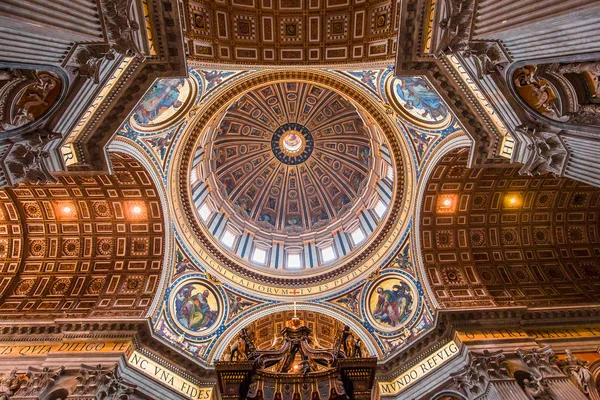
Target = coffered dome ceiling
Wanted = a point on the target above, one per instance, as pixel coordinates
(292, 157)
(292, 176)
(291, 31)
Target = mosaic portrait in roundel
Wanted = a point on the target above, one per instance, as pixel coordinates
(417, 98)
(391, 303)
(163, 101)
(196, 308)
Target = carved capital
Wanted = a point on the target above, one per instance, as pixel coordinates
(113, 387)
(10, 383)
(541, 361)
(38, 381)
(546, 151)
(482, 369)
(91, 379)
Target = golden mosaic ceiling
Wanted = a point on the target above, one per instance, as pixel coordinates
(291, 31)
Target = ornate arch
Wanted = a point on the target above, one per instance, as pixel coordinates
(227, 337)
(449, 144)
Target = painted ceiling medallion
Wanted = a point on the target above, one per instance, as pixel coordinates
(292, 144)
(414, 99)
(165, 103)
(196, 307)
(392, 302)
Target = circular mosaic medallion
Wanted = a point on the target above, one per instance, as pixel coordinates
(414, 99)
(167, 101)
(196, 307)
(292, 144)
(391, 303)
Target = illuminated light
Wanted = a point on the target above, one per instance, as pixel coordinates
(357, 236)
(505, 21)
(447, 202)
(513, 200)
(259, 256)
(137, 209)
(204, 212)
(228, 239)
(67, 209)
(328, 254)
(380, 208)
(293, 261)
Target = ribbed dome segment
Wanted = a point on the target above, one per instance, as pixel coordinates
(292, 157)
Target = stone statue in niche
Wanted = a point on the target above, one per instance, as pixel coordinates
(577, 370)
(537, 93)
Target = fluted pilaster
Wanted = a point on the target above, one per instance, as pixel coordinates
(533, 29)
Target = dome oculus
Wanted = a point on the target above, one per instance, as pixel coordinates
(292, 144)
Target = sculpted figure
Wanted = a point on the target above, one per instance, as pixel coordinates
(536, 389)
(458, 26)
(577, 370)
(548, 153)
(10, 383)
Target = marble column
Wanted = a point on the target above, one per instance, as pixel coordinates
(43, 32)
(532, 29)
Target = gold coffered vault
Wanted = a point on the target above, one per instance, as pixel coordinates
(299, 200)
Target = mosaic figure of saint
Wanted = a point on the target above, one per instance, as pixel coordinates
(393, 305)
(417, 95)
(193, 310)
(164, 95)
